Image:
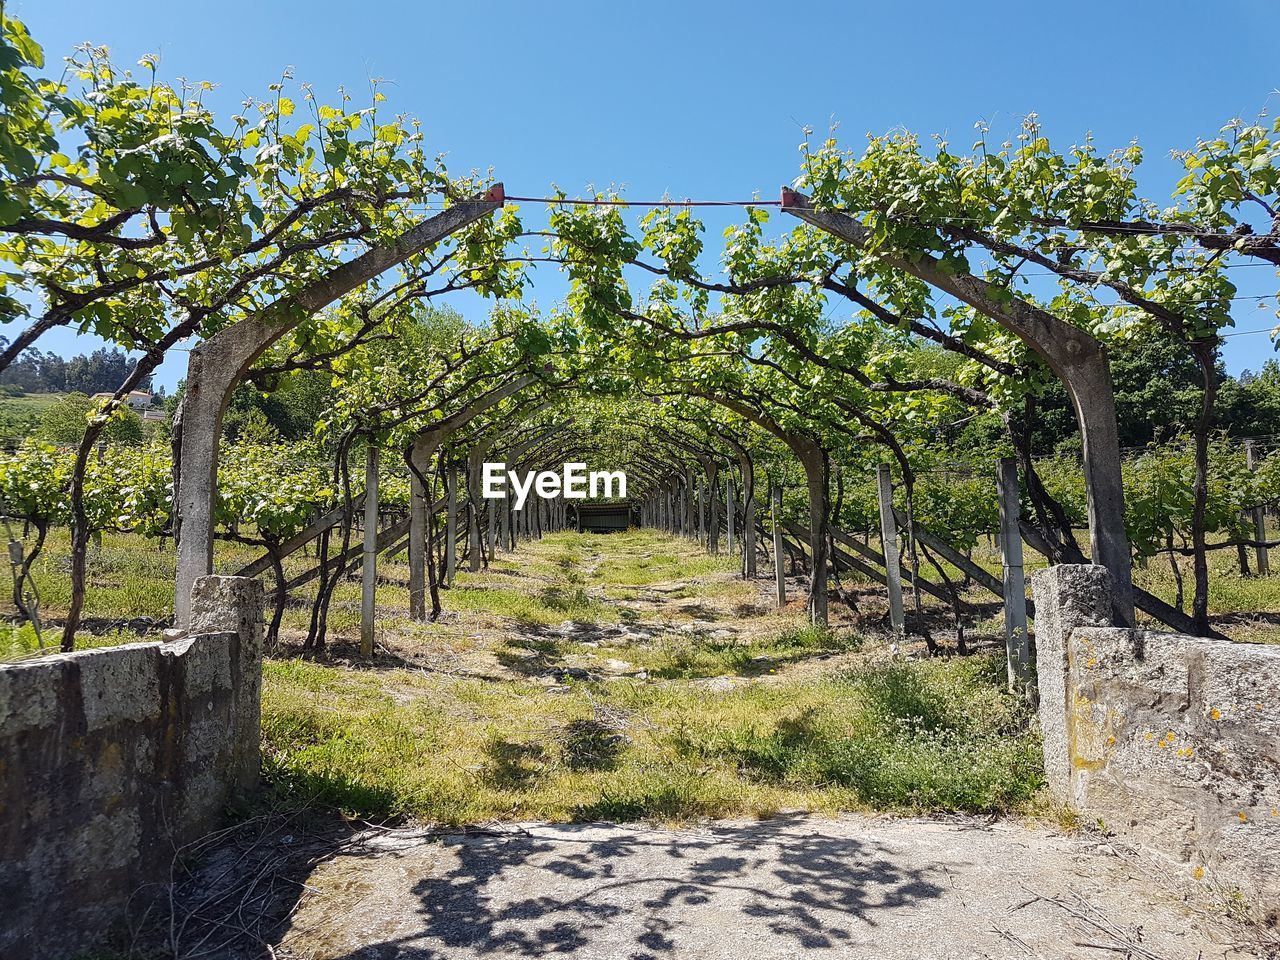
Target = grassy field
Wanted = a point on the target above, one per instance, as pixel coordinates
(589, 677)
(632, 676)
(28, 405)
(619, 677)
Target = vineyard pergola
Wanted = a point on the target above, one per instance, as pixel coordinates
(724, 390)
(220, 363)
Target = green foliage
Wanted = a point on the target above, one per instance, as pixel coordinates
(1063, 479)
(962, 505)
(17, 641)
(67, 420)
(162, 203)
(1250, 406)
(1159, 498)
(33, 483)
(131, 488)
(273, 490)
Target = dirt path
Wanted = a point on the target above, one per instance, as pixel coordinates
(792, 885)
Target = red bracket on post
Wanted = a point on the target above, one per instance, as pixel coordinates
(792, 199)
(496, 194)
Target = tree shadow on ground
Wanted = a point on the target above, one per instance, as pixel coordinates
(563, 599)
(1260, 619)
(634, 892)
(591, 744)
(702, 611)
(511, 764)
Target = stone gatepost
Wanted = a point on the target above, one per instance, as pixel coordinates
(234, 605)
(1067, 596)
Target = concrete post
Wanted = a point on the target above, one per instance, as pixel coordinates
(504, 520)
(702, 511)
(1259, 517)
(451, 526)
(730, 510)
(1016, 644)
(779, 574)
(491, 526)
(369, 571)
(474, 458)
(690, 505)
(748, 519)
(418, 547)
(815, 470)
(713, 506)
(889, 541)
(1077, 358)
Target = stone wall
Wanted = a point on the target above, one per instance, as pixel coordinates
(113, 759)
(1172, 741)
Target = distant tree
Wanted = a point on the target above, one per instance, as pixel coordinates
(1250, 406)
(254, 428)
(67, 420)
(26, 374)
(99, 372)
(290, 405)
(1158, 390)
(1158, 393)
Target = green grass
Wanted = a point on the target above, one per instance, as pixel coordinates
(650, 560)
(28, 405)
(938, 735)
(921, 736)
(660, 743)
(544, 605)
(19, 641)
(688, 656)
(478, 730)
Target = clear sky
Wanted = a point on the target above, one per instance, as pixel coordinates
(709, 99)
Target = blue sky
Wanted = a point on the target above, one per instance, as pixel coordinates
(709, 99)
